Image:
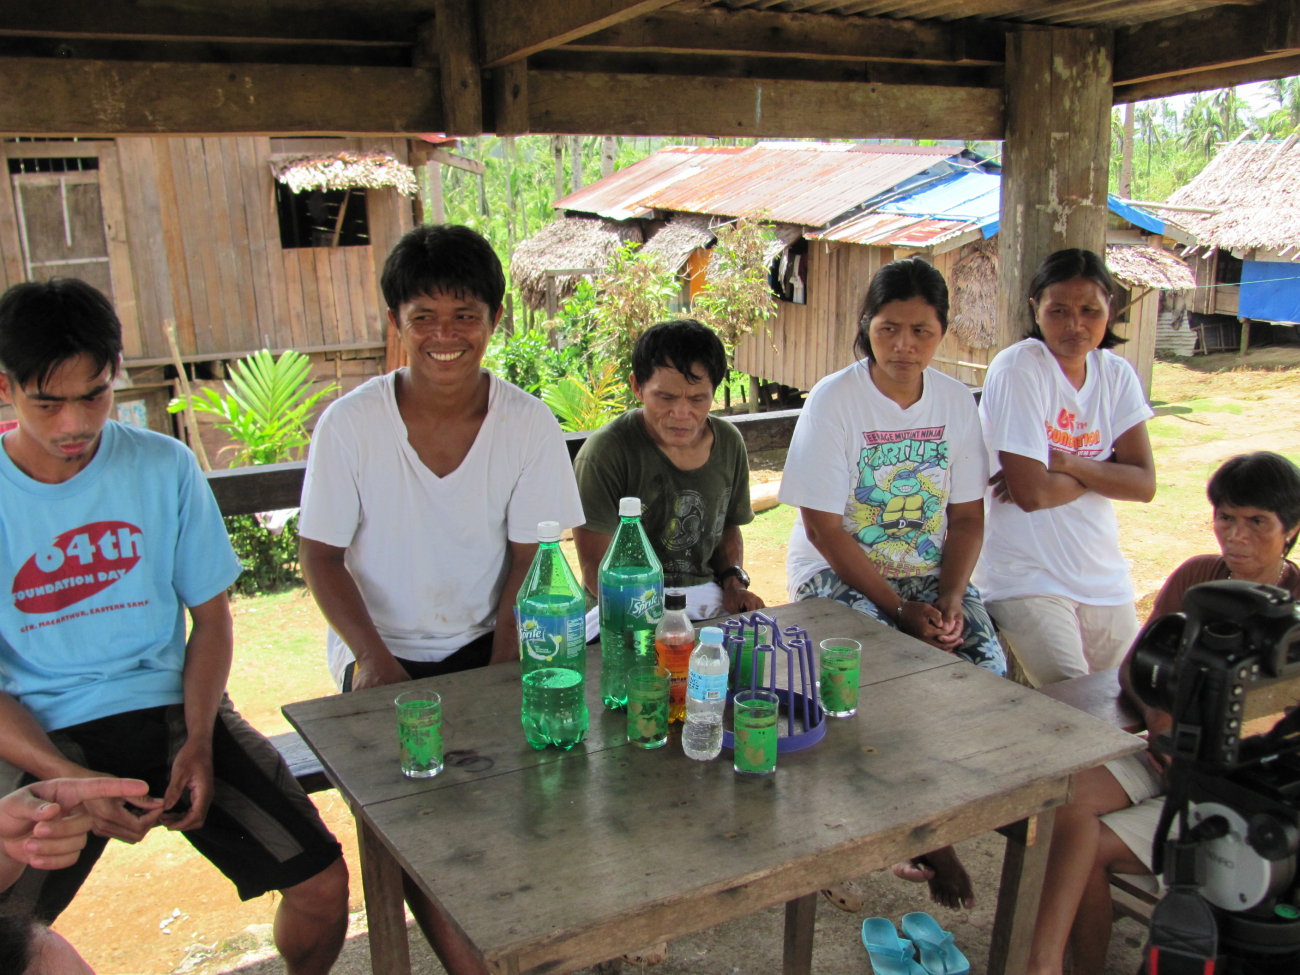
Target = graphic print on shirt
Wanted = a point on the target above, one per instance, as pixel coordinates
(78, 564)
(1072, 435)
(898, 504)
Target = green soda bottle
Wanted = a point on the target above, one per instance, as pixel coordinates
(551, 613)
(631, 603)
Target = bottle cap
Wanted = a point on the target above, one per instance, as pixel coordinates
(674, 599)
(629, 507)
(711, 634)
(548, 531)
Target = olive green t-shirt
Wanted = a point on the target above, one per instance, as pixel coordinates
(683, 512)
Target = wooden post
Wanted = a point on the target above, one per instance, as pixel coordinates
(457, 49)
(381, 879)
(800, 918)
(1055, 158)
(191, 421)
(575, 162)
(753, 394)
(1023, 866)
(1245, 335)
(437, 208)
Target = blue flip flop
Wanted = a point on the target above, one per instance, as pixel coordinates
(890, 954)
(939, 956)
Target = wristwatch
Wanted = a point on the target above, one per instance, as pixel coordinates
(736, 571)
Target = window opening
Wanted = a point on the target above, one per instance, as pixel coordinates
(788, 274)
(322, 218)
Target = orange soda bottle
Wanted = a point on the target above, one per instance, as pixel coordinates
(674, 642)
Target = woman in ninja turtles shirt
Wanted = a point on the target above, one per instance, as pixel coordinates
(888, 470)
(1065, 427)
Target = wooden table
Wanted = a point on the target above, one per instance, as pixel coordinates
(550, 861)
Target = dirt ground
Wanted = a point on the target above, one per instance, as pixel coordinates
(158, 907)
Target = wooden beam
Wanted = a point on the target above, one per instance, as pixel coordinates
(268, 23)
(1055, 159)
(1239, 74)
(510, 99)
(1214, 39)
(720, 31)
(45, 96)
(456, 161)
(624, 104)
(462, 82)
(511, 30)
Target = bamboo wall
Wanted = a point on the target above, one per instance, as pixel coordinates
(193, 236)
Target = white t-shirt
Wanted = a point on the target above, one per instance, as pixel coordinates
(428, 553)
(892, 471)
(1027, 407)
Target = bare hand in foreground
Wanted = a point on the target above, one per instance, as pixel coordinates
(376, 672)
(926, 623)
(44, 825)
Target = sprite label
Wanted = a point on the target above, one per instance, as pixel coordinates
(552, 638)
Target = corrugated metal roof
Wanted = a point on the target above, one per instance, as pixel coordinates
(789, 185)
(618, 197)
(890, 230)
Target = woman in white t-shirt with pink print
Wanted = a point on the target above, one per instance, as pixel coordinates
(1065, 426)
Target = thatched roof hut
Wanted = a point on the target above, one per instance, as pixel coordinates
(343, 171)
(676, 240)
(1253, 189)
(1148, 267)
(974, 283)
(566, 243)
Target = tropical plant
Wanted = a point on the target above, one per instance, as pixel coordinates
(736, 298)
(264, 408)
(589, 405)
(632, 293)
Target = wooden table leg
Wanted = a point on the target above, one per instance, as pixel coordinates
(381, 876)
(1023, 867)
(800, 918)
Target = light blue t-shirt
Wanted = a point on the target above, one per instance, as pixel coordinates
(101, 568)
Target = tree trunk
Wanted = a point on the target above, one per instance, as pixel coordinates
(1126, 157)
(575, 162)
(437, 206)
(608, 155)
(557, 151)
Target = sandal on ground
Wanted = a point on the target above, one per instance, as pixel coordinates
(939, 956)
(648, 957)
(890, 954)
(847, 896)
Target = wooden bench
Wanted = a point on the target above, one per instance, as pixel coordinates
(304, 765)
(1100, 695)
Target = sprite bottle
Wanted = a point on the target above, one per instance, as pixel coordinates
(551, 613)
(631, 603)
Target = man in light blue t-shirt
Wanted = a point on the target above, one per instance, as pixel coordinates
(109, 535)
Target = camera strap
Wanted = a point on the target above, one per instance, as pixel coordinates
(1185, 748)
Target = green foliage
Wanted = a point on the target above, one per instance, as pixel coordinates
(270, 561)
(737, 299)
(264, 408)
(632, 294)
(587, 405)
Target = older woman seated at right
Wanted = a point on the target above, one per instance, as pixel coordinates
(1110, 826)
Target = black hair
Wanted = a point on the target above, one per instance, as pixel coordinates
(443, 258)
(1066, 265)
(680, 344)
(17, 932)
(1262, 480)
(45, 323)
(901, 281)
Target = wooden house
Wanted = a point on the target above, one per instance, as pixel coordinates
(840, 211)
(1242, 218)
(243, 242)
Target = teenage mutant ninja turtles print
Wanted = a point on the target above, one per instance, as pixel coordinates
(897, 510)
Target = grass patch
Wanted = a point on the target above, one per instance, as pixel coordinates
(770, 528)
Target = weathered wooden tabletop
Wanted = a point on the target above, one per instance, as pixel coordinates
(550, 860)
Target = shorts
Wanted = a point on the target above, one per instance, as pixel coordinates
(979, 643)
(476, 653)
(261, 830)
(1136, 825)
(1055, 638)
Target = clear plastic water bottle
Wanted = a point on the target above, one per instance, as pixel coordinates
(674, 641)
(631, 603)
(706, 697)
(551, 614)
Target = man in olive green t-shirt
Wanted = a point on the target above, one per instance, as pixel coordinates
(690, 471)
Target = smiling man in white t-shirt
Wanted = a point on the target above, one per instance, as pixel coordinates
(424, 487)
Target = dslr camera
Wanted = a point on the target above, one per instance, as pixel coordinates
(1229, 834)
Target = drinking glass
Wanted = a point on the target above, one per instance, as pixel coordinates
(754, 715)
(419, 733)
(647, 705)
(841, 664)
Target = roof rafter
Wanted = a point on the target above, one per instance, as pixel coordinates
(510, 30)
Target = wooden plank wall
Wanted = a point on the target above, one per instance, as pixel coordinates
(803, 343)
(205, 248)
(1204, 268)
(1140, 330)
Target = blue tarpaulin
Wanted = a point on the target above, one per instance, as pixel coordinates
(1270, 290)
